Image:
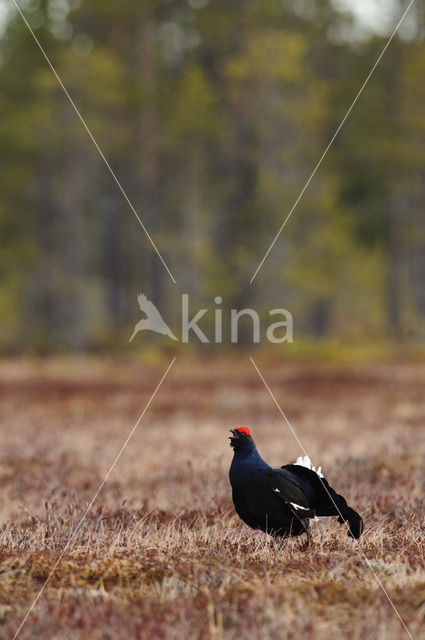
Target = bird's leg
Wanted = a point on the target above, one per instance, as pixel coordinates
(306, 525)
(308, 532)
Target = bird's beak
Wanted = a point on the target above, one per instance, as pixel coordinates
(234, 433)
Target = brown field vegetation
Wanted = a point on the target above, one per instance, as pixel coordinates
(161, 553)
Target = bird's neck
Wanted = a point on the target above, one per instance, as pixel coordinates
(249, 456)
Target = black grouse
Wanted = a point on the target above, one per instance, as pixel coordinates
(282, 501)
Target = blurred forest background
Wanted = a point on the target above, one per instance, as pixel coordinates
(213, 115)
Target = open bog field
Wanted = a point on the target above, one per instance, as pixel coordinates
(161, 553)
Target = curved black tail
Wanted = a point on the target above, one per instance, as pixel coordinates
(333, 503)
(326, 501)
(355, 522)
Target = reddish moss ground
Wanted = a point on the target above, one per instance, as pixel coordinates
(161, 553)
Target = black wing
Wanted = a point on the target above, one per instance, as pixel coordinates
(287, 488)
(324, 499)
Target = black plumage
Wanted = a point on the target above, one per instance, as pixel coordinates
(282, 501)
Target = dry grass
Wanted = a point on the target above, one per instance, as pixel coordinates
(161, 554)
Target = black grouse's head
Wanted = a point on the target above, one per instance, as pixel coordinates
(241, 438)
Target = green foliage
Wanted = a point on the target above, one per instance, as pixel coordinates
(212, 115)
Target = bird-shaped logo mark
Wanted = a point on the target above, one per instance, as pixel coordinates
(154, 321)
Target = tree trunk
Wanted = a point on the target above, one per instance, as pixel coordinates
(147, 128)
